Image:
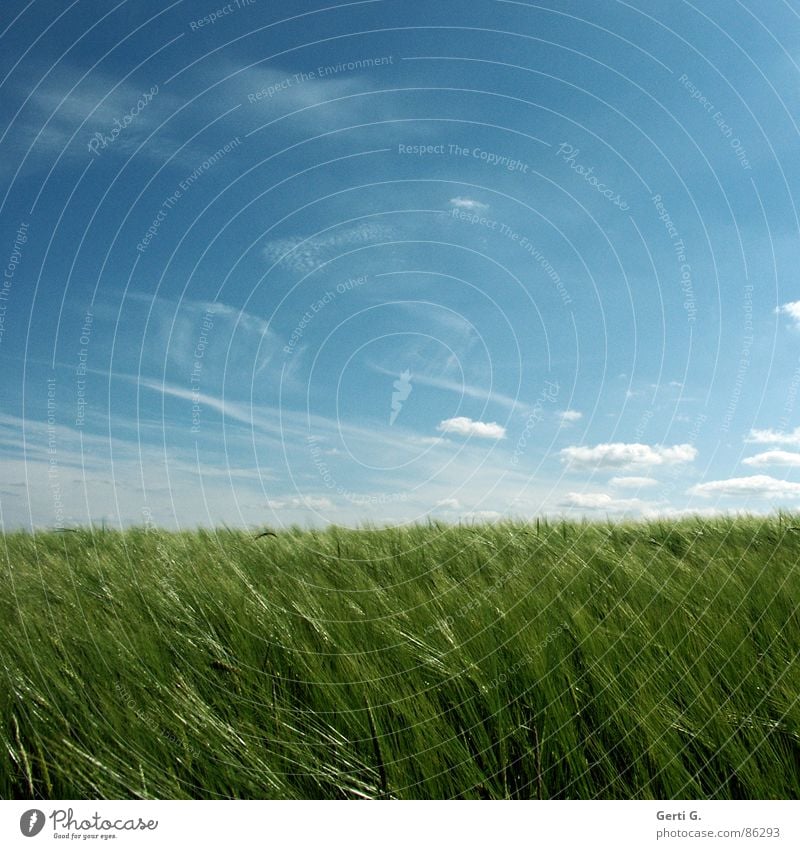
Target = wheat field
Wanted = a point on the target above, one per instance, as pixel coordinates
(504, 661)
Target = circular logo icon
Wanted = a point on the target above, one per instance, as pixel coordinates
(31, 822)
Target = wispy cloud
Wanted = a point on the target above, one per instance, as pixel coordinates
(68, 476)
(755, 485)
(465, 426)
(309, 502)
(64, 121)
(774, 458)
(467, 203)
(632, 482)
(568, 417)
(467, 390)
(599, 501)
(615, 455)
(309, 104)
(666, 512)
(792, 309)
(287, 427)
(482, 516)
(303, 254)
(229, 409)
(774, 437)
(227, 339)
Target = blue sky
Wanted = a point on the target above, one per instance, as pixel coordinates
(384, 261)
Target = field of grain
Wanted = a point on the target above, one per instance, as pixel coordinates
(512, 660)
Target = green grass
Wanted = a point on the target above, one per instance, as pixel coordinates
(653, 660)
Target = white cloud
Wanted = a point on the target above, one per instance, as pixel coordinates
(467, 203)
(670, 384)
(632, 482)
(233, 410)
(792, 309)
(465, 389)
(236, 341)
(616, 455)
(428, 440)
(469, 427)
(599, 501)
(295, 503)
(312, 104)
(569, 416)
(320, 503)
(757, 485)
(105, 475)
(681, 512)
(773, 458)
(448, 503)
(482, 516)
(774, 437)
(62, 119)
(304, 254)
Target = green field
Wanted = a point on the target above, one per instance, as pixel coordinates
(652, 660)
